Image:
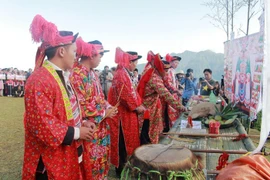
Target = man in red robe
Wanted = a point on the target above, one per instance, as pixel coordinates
(170, 114)
(95, 107)
(52, 120)
(152, 90)
(124, 126)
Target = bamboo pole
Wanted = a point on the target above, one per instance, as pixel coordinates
(211, 135)
(212, 172)
(219, 151)
(211, 150)
(182, 139)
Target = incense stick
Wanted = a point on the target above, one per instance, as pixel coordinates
(120, 93)
(117, 104)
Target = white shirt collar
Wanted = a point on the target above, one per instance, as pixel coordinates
(66, 74)
(54, 66)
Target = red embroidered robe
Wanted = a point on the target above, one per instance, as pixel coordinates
(170, 83)
(154, 92)
(48, 115)
(93, 105)
(129, 101)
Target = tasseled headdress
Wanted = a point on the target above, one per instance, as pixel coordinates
(47, 33)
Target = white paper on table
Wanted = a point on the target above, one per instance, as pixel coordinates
(196, 124)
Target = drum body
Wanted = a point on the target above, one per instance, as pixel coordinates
(162, 162)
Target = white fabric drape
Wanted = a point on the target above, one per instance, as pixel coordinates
(265, 125)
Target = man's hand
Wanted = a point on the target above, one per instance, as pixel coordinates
(140, 109)
(86, 133)
(111, 112)
(180, 93)
(183, 109)
(90, 125)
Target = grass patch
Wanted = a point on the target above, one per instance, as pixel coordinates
(257, 124)
(11, 137)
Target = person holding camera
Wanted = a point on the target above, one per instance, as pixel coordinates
(206, 84)
(189, 83)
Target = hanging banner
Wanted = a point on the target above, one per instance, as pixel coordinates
(243, 71)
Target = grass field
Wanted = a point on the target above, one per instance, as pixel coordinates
(12, 139)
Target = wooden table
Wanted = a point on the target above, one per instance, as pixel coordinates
(210, 160)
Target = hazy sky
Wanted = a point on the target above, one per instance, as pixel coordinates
(164, 26)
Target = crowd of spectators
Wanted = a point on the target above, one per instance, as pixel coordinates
(12, 81)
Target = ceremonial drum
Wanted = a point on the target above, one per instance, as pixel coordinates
(160, 162)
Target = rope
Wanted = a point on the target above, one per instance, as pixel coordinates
(248, 153)
(160, 153)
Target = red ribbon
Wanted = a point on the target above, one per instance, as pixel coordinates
(223, 103)
(222, 161)
(240, 137)
(146, 114)
(190, 121)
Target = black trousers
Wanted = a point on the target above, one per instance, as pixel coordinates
(122, 153)
(166, 120)
(144, 137)
(39, 174)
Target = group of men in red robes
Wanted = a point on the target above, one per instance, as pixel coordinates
(71, 131)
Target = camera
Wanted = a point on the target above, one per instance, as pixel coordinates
(188, 75)
(201, 79)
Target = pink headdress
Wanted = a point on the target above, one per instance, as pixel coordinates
(150, 56)
(85, 49)
(47, 33)
(169, 58)
(123, 58)
(158, 64)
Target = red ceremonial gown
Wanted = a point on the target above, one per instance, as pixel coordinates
(154, 91)
(47, 121)
(170, 83)
(129, 101)
(93, 105)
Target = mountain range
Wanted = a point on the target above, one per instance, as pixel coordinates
(198, 61)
